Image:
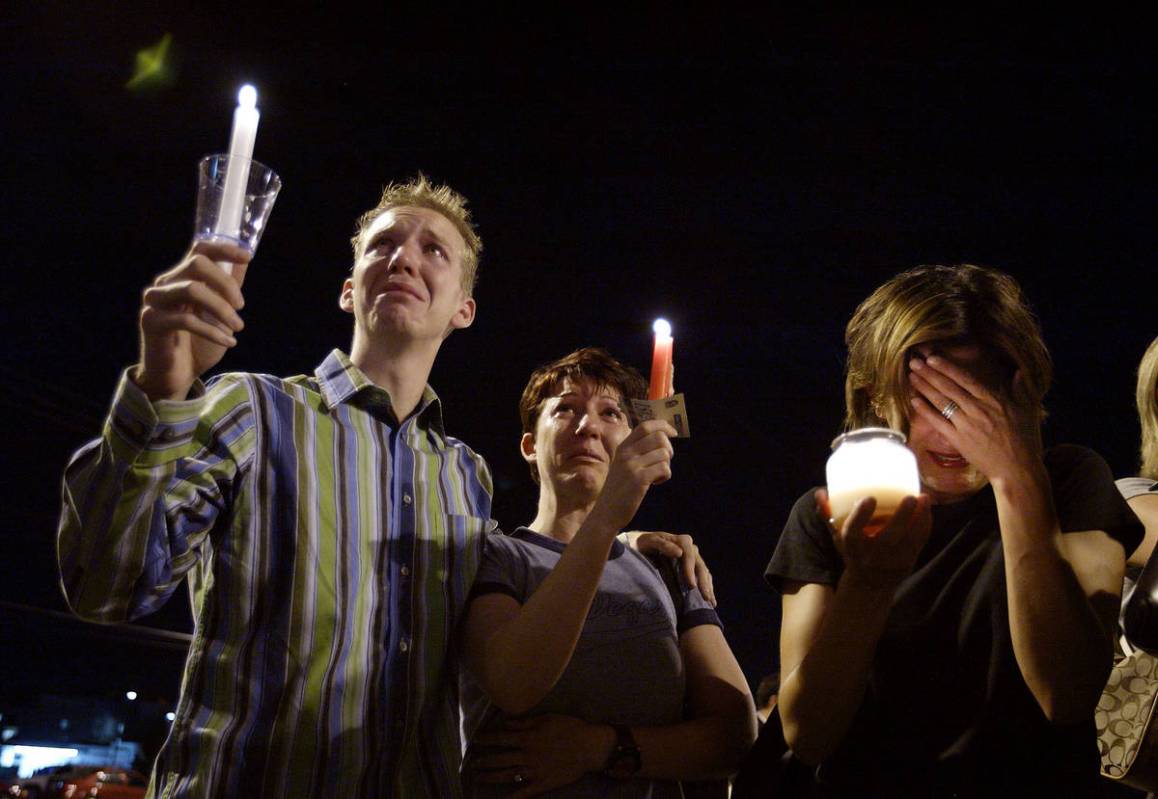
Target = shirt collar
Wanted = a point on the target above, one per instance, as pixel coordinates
(339, 381)
(531, 537)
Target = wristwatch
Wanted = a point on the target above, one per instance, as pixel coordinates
(624, 760)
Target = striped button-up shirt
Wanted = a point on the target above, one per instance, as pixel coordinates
(329, 552)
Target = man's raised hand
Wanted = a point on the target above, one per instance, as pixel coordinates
(188, 318)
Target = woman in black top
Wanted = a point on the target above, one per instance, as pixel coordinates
(961, 651)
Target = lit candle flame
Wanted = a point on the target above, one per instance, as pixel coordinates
(247, 96)
(662, 328)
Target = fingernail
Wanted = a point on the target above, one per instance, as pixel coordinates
(916, 363)
(916, 403)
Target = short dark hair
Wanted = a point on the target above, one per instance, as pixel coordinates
(590, 363)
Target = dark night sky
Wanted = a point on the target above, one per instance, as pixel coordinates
(750, 178)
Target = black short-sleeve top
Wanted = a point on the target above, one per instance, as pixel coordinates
(946, 710)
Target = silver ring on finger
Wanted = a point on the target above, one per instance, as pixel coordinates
(949, 409)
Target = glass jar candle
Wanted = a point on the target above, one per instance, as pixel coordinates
(870, 462)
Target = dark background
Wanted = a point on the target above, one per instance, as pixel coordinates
(750, 177)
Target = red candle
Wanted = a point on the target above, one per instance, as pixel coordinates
(662, 370)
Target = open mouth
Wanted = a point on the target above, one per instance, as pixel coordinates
(948, 461)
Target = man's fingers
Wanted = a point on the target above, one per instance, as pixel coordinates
(689, 558)
(228, 285)
(665, 546)
(176, 296)
(221, 251)
(202, 268)
(706, 585)
(695, 568)
(154, 320)
(238, 275)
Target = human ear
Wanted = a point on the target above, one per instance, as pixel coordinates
(464, 316)
(346, 298)
(527, 448)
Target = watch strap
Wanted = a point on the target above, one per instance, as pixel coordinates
(625, 759)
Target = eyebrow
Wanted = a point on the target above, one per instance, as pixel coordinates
(620, 402)
(441, 241)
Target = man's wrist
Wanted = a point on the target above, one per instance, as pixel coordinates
(152, 390)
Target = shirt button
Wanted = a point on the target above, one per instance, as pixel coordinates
(403, 645)
(405, 571)
(407, 499)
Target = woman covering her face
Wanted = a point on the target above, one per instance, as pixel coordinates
(961, 650)
(587, 675)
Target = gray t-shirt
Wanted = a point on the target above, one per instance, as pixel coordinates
(626, 668)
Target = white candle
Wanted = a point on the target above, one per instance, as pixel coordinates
(241, 142)
(871, 462)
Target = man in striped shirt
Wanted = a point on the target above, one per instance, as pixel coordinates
(327, 525)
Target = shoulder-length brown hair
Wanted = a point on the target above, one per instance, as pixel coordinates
(963, 303)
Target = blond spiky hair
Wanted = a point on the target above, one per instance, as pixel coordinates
(420, 192)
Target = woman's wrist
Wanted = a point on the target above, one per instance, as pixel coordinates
(600, 746)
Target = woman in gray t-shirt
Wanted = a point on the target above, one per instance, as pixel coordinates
(579, 659)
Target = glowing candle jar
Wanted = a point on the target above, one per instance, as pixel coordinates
(662, 371)
(870, 462)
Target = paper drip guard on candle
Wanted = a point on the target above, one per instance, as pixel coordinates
(662, 403)
(870, 462)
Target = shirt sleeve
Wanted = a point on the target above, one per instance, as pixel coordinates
(1130, 487)
(805, 552)
(1087, 499)
(696, 610)
(140, 501)
(503, 570)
